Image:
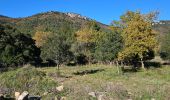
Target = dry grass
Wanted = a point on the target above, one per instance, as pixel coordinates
(142, 85)
(101, 79)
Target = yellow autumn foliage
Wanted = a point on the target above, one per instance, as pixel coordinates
(138, 35)
(40, 38)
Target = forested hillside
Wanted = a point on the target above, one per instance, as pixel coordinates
(162, 26)
(55, 21)
(65, 38)
(48, 21)
(62, 29)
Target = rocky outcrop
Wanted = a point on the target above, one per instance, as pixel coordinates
(74, 15)
(162, 22)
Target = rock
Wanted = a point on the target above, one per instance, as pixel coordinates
(34, 97)
(63, 98)
(73, 15)
(1, 97)
(129, 93)
(57, 98)
(17, 94)
(23, 96)
(60, 88)
(93, 94)
(100, 97)
(45, 93)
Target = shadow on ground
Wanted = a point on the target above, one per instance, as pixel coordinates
(152, 65)
(1, 98)
(148, 65)
(88, 72)
(129, 70)
(166, 63)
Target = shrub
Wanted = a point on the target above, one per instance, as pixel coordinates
(27, 79)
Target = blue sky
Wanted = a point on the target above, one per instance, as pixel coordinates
(101, 10)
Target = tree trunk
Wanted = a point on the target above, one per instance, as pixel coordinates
(58, 67)
(122, 67)
(117, 64)
(142, 64)
(89, 60)
(58, 70)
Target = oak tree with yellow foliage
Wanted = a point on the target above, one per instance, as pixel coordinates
(138, 36)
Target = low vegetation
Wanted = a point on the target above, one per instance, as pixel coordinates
(78, 81)
(27, 78)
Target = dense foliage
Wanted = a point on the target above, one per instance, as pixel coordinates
(56, 49)
(96, 44)
(63, 39)
(17, 48)
(165, 47)
(86, 39)
(138, 36)
(108, 46)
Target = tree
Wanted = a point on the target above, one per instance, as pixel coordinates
(165, 47)
(40, 38)
(57, 49)
(108, 46)
(17, 48)
(138, 36)
(86, 38)
(27, 48)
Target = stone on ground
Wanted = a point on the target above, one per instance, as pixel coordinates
(23, 96)
(60, 88)
(93, 94)
(17, 94)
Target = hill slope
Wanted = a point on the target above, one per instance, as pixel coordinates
(56, 20)
(48, 21)
(163, 26)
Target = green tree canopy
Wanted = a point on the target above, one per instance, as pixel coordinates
(165, 47)
(56, 49)
(17, 48)
(108, 46)
(86, 38)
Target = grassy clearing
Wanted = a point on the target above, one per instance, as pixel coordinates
(80, 80)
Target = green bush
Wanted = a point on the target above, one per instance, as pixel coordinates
(27, 79)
